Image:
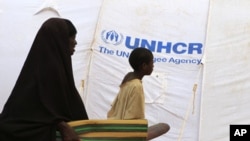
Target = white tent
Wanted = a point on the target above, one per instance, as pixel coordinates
(201, 77)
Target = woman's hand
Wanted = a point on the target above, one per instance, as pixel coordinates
(67, 133)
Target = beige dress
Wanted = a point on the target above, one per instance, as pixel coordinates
(129, 103)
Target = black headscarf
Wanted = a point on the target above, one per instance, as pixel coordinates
(45, 92)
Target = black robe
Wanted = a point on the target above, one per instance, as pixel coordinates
(45, 92)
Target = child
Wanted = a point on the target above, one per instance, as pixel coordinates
(129, 103)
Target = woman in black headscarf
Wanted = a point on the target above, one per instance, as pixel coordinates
(44, 97)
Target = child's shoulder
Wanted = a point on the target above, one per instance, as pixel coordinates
(133, 83)
(129, 76)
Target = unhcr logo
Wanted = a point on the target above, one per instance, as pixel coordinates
(112, 37)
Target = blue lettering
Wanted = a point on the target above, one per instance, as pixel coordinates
(106, 51)
(128, 41)
(160, 60)
(195, 47)
(146, 44)
(122, 53)
(169, 47)
(180, 46)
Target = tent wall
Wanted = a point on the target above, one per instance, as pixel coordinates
(226, 85)
(177, 47)
(19, 23)
(200, 79)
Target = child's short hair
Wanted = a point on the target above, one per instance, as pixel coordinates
(139, 56)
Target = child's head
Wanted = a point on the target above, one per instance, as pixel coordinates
(141, 60)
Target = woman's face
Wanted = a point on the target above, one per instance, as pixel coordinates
(72, 44)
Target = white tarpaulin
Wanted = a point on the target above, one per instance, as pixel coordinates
(200, 80)
(226, 80)
(175, 33)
